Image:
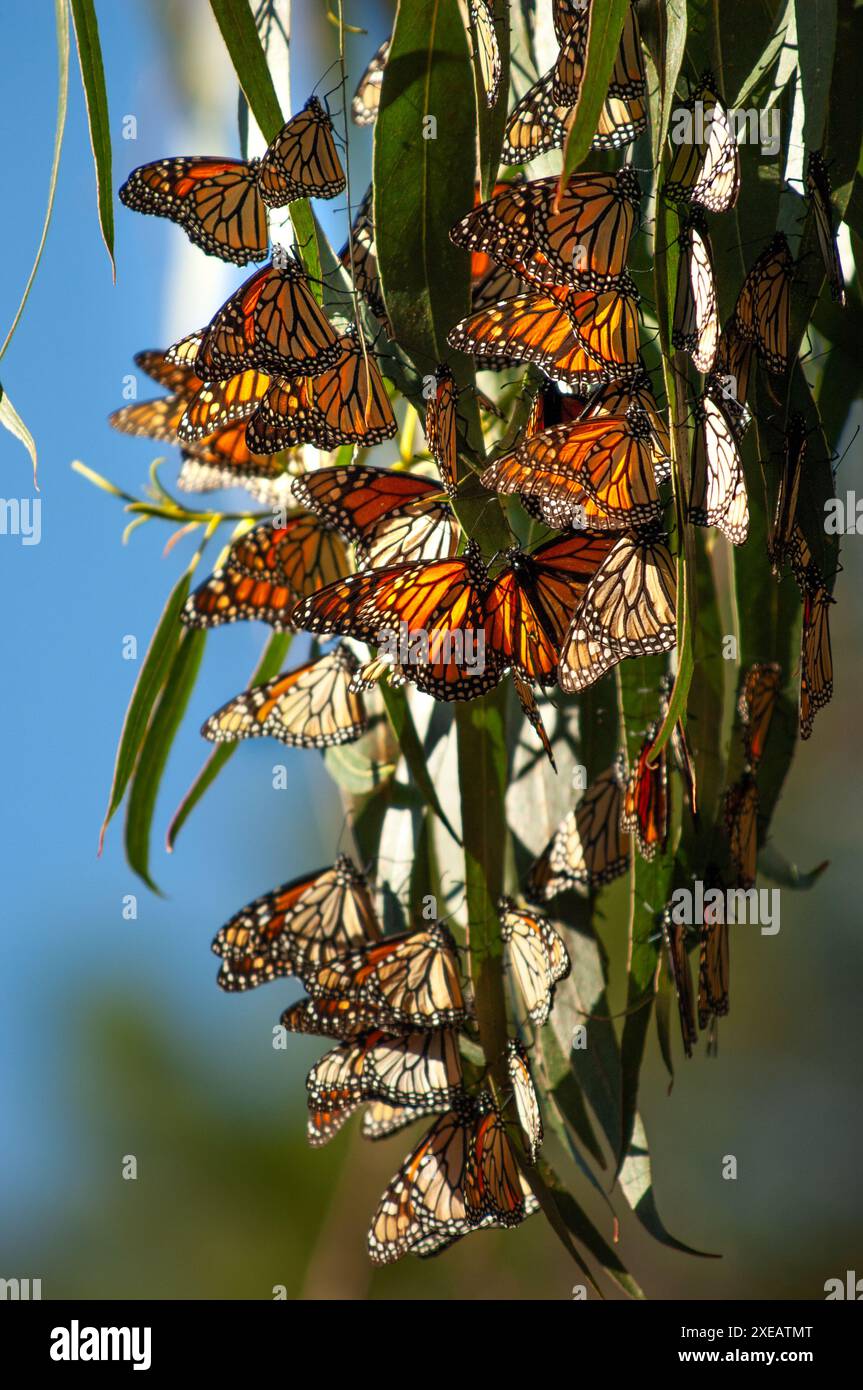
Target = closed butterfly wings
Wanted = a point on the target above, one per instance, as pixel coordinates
(535, 956)
(314, 706)
(589, 848)
(389, 516)
(302, 160)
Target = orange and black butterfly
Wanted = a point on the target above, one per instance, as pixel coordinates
(718, 496)
(763, 311)
(758, 695)
(741, 824)
(441, 431)
(438, 604)
(528, 607)
(705, 169)
(728, 383)
(305, 921)
(781, 542)
(588, 848)
(302, 160)
(534, 956)
(487, 48)
(391, 517)
(674, 935)
(615, 398)
(594, 474)
(266, 572)
(272, 322)
(314, 706)
(816, 656)
(462, 1176)
(421, 1072)
(359, 258)
(525, 1098)
(533, 327)
(818, 191)
(630, 603)
(713, 963)
(605, 323)
(539, 123)
(579, 238)
(367, 97)
(407, 981)
(644, 812)
(696, 319)
(345, 404)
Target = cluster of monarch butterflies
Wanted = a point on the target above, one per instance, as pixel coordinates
(361, 552)
(396, 1007)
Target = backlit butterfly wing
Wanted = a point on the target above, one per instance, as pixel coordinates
(755, 707)
(266, 572)
(310, 919)
(272, 322)
(580, 238)
(440, 427)
(487, 47)
(741, 823)
(571, 26)
(302, 160)
(158, 419)
(524, 1094)
(421, 1072)
(781, 540)
(424, 1207)
(644, 813)
(391, 517)
(816, 657)
(216, 201)
(728, 383)
(330, 1018)
(718, 497)
(706, 164)
(818, 190)
(616, 397)
(674, 934)
(534, 956)
(322, 1124)
(696, 321)
(175, 375)
(536, 124)
(763, 310)
(530, 604)
(223, 460)
(310, 707)
(530, 708)
(605, 323)
(407, 981)
(621, 120)
(493, 1185)
(583, 660)
(359, 258)
(588, 848)
(630, 603)
(218, 403)
(628, 78)
(535, 328)
(381, 1120)
(367, 98)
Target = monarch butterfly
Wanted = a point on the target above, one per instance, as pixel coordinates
(718, 497)
(706, 164)
(534, 956)
(219, 403)
(530, 709)
(628, 77)
(532, 327)
(359, 258)
(644, 812)
(307, 920)
(629, 604)
(407, 981)
(441, 427)
(441, 604)
(606, 325)
(588, 848)
(367, 98)
(273, 322)
(579, 237)
(461, 1176)
(379, 668)
(570, 27)
(728, 383)
(696, 321)
(487, 48)
(583, 660)
(390, 517)
(713, 965)
(525, 1097)
(420, 1072)
(596, 474)
(818, 189)
(741, 824)
(758, 695)
(816, 657)
(781, 541)
(217, 202)
(345, 404)
(615, 398)
(310, 707)
(381, 1120)
(302, 161)
(343, 1019)
(763, 310)
(536, 124)
(224, 460)
(266, 572)
(674, 935)
(621, 120)
(529, 605)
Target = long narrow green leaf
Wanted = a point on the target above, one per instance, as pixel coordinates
(12, 421)
(96, 96)
(274, 654)
(155, 749)
(580, 1225)
(603, 41)
(422, 181)
(237, 26)
(636, 1184)
(151, 679)
(816, 43)
(401, 719)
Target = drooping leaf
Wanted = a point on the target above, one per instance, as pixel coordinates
(96, 96)
(11, 420)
